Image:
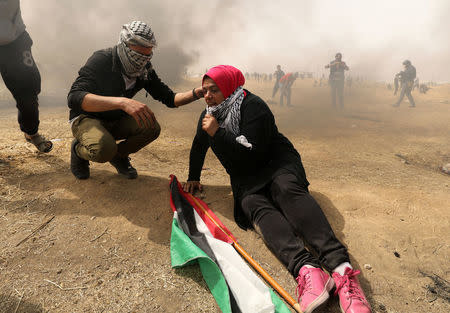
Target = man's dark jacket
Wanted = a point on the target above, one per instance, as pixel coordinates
(102, 75)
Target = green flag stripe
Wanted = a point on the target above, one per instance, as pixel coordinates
(183, 252)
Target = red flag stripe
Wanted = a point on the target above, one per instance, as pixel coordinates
(215, 231)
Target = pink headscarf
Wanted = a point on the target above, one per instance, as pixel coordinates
(227, 78)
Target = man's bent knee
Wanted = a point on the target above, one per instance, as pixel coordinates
(102, 151)
(153, 132)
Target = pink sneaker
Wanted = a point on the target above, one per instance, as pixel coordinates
(313, 288)
(351, 296)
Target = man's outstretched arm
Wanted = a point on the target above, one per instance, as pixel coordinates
(182, 98)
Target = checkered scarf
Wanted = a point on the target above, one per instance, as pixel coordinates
(134, 63)
(228, 113)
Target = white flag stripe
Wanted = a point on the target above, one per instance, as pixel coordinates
(250, 293)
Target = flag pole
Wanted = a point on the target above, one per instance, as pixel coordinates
(283, 293)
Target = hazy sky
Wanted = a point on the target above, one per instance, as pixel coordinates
(374, 36)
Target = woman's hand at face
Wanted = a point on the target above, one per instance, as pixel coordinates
(210, 125)
(192, 186)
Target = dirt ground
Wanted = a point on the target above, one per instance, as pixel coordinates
(374, 169)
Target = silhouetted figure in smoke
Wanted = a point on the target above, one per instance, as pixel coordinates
(397, 81)
(278, 74)
(102, 110)
(20, 73)
(423, 88)
(416, 84)
(337, 79)
(286, 83)
(406, 78)
(349, 82)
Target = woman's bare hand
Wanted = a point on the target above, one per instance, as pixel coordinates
(192, 186)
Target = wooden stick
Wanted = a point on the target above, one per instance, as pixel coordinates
(104, 232)
(283, 293)
(36, 230)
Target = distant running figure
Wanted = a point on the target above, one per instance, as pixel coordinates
(337, 79)
(286, 83)
(278, 74)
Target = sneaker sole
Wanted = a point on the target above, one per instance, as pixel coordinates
(322, 298)
(342, 310)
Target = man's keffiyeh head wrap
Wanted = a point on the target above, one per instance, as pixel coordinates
(134, 63)
(230, 81)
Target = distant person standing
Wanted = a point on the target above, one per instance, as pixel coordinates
(278, 74)
(406, 78)
(416, 83)
(286, 83)
(337, 79)
(396, 82)
(20, 73)
(349, 82)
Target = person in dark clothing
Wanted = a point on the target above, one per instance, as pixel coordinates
(277, 75)
(286, 83)
(270, 189)
(423, 88)
(406, 78)
(20, 73)
(101, 108)
(349, 82)
(337, 79)
(416, 83)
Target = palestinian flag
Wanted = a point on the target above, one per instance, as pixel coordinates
(196, 238)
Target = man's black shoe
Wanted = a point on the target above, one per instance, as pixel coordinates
(78, 166)
(123, 167)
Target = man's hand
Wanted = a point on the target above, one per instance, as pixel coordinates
(140, 112)
(192, 186)
(210, 124)
(199, 92)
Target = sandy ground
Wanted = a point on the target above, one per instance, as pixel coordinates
(373, 168)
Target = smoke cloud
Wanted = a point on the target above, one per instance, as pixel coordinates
(65, 35)
(374, 37)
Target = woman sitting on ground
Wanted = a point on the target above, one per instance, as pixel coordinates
(270, 190)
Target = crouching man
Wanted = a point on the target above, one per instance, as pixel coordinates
(102, 110)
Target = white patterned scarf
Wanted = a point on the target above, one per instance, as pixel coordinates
(228, 115)
(135, 64)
